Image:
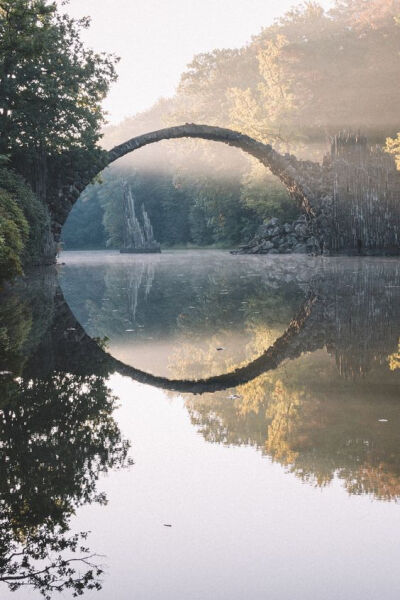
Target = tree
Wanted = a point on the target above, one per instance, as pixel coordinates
(84, 227)
(50, 85)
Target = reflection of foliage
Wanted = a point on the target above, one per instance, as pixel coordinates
(201, 360)
(394, 360)
(283, 411)
(26, 312)
(57, 435)
(47, 545)
(315, 425)
(15, 327)
(393, 147)
(138, 296)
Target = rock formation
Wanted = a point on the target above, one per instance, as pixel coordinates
(138, 238)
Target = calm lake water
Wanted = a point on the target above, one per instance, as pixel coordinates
(276, 475)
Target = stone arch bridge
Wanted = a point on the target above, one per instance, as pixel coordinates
(303, 179)
(351, 201)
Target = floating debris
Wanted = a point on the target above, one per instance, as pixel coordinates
(220, 348)
(130, 330)
(382, 420)
(234, 397)
(5, 373)
(167, 525)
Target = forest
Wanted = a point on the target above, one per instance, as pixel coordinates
(295, 85)
(51, 90)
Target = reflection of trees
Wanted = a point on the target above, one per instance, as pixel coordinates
(26, 311)
(16, 323)
(316, 426)
(283, 412)
(394, 359)
(178, 297)
(122, 300)
(320, 416)
(57, 435)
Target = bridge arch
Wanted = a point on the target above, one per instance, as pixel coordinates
(302, 179)
(290, 171)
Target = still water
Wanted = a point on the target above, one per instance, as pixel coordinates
(216, 426)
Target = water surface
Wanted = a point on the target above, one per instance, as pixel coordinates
(285, 486)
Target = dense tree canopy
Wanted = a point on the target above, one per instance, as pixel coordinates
(51, 86)
(297, 83)
(51, 89)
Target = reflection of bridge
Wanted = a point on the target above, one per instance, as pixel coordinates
(70, 349)
(354, 313)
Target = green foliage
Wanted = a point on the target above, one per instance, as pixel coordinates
(35, 213)
(13, 235)
(263, 194)
(51, 87)
(305, 77)
(84, 228)
(24, 225)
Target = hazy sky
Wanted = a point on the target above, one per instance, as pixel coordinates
(156, 39)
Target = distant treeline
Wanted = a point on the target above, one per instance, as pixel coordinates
(294, 85)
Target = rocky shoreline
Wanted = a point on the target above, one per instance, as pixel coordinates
(275, 237)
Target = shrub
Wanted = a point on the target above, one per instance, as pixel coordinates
(24, 224)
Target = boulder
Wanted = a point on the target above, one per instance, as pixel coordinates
(300, 249)
(267, 245)
(312, 242)
(275, 231)
(301, 229)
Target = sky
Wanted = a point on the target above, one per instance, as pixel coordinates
(156, 39)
